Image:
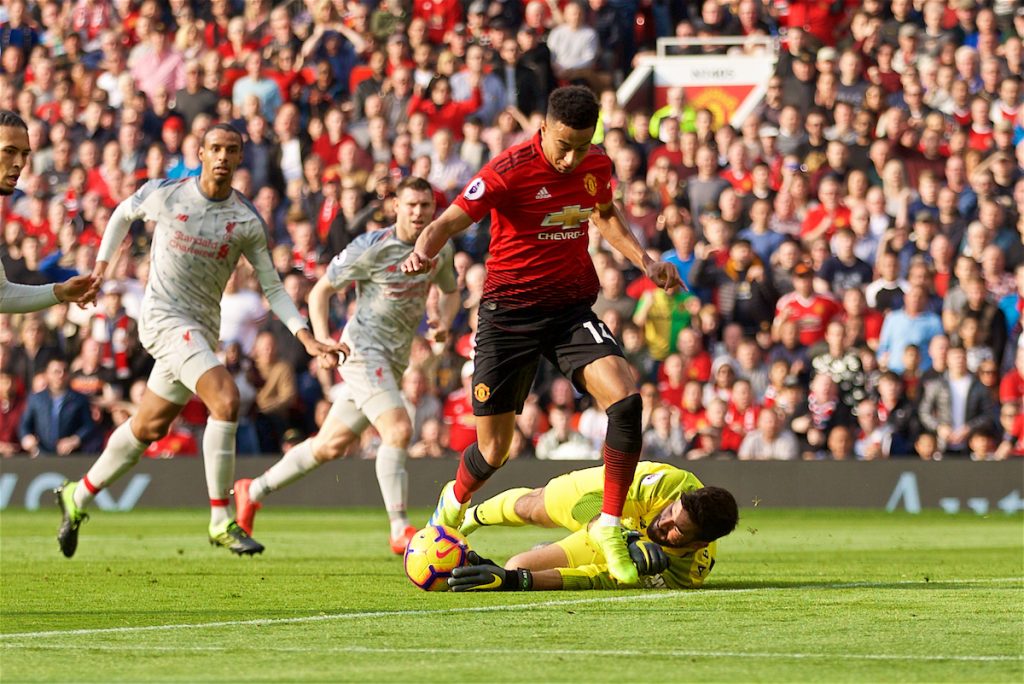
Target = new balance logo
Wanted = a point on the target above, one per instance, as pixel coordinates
(542, 194)
(183, 217)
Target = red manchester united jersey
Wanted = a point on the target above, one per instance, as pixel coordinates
(539, 224)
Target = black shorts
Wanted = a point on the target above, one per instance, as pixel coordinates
(509, 345)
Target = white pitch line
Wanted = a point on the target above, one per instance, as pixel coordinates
(610, 653)
(653, 596)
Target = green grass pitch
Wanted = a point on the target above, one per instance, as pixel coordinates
(823, 596)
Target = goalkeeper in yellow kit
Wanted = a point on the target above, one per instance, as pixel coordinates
(672, 522)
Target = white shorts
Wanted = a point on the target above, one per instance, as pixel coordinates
(370, 390)
(177, 371)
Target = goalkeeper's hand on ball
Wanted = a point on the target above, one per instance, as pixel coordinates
(482, 574)
(648, 557)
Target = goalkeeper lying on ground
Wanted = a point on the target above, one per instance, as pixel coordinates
(673, 520)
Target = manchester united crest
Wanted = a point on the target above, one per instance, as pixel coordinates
(590, 183)
(482, 392)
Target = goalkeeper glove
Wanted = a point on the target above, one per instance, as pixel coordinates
(481, 574)
(649, 558)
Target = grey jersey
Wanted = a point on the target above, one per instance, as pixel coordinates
(390, 304)
(196, 246)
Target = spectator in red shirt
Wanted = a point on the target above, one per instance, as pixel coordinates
(818, 18)
(811, 312)
(670, 149)
(671, 388)
(738, 174)
(441, 17)
(691, 414)
(696, 360)
(441, 110)
(741, 414)
(829, 216)
(1011, 388)
(714, 437)
(12, 405)
(458, 412)
(979, 136)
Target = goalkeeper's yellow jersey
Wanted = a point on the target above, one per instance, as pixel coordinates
(574, 499)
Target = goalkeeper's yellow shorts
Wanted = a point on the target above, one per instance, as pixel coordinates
(572, 500)
(580, 550)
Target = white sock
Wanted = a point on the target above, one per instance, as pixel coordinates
(298, 461)
(394, 485)
(449, 494)
(609, 520)
(219, 460)
(121, 453)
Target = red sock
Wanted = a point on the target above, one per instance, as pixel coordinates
(465, 483)
(473, 473)
(619, 468)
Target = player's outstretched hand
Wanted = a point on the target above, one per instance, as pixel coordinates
(664, 276)
(417, 263)
(482, 574)
(648, 557)
(80, 289)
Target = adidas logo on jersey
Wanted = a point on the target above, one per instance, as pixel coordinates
(542, 194)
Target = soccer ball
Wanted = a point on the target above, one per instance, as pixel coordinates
(432, 554)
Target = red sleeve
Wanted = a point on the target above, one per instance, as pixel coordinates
(837, 311)
(467, 107)
(483, 193)
(1008, 387)
(414, 104)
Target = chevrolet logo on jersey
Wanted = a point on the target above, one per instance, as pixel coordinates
(568, 217)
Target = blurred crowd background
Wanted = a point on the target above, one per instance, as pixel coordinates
(853, 249)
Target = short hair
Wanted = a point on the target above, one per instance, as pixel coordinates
(891, 376)
(415, 183)
(222, 127)
(713, 510)
(12, 120)
(575, 106)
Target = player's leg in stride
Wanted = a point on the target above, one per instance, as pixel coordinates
(122, 452)
(218, 391)
(610, 383)
(395, 430)
(342, 428)
(479, 461)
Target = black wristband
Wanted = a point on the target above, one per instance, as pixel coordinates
(519, 579)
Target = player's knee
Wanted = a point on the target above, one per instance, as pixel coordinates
(625, 419)
(496, 449)
(225, 405)
(329, 446)
(147, 431)
(529, 505)
(398, 435)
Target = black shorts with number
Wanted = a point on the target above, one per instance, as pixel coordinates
(510, 342)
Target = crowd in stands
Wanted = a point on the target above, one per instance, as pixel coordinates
(852, 249)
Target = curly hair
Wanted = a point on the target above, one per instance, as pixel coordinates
(713, 510)
(575, 106)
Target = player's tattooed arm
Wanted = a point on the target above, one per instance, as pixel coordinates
(613, 227)
(449, 224)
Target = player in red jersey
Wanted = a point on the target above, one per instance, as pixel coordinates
(540, 286)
